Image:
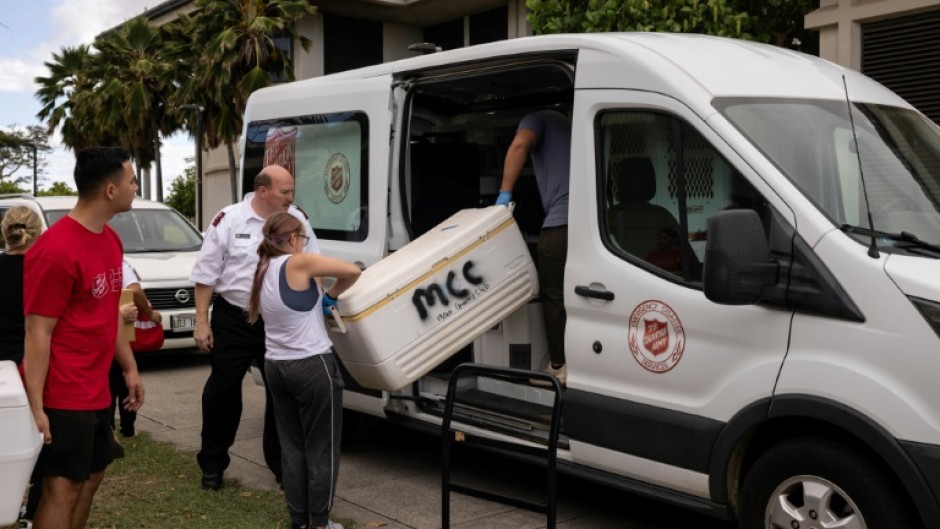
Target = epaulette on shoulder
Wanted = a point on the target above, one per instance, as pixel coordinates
(218, 218)
(302, 212)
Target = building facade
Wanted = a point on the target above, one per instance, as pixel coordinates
(895, 42)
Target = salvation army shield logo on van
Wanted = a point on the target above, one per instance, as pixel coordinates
(336, 178)
(656, 337)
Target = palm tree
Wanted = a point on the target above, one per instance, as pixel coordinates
(232, 54)
(66, 97)
(136, 85)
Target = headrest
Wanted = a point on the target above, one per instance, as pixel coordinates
(636, 180)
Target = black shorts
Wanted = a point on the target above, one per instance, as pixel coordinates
(81, 444)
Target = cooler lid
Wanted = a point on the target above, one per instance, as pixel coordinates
(419, 257)
(12, 394)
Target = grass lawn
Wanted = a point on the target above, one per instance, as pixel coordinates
(157, 487)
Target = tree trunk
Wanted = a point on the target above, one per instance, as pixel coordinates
(159, 166)
(232, 173)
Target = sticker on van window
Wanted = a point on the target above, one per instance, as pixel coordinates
(656, 337)
(336, 178)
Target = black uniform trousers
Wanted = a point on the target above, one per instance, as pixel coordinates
(237, 344)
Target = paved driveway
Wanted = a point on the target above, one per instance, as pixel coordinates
(390, 476)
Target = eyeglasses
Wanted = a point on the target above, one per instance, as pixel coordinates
(304, 237)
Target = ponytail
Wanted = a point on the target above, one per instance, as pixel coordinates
(277, 231)
(20, 228)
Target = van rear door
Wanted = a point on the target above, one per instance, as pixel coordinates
(334, 137)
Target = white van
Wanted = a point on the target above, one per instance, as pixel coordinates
(793, 379)
(161, 246)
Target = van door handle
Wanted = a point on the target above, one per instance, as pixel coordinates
(589, 292)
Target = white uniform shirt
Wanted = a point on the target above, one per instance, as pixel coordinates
(289, 333)
(130, 275)
(229, 253)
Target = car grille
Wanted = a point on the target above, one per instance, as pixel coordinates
(166, 299)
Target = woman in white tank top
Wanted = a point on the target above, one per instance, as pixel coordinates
(301, 368)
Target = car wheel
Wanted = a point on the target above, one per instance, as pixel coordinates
(812, 483)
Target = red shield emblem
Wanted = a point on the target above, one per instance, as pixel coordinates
(336, 178)
(279, 148)
(655, 336)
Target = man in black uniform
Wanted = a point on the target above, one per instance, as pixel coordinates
(226, 266)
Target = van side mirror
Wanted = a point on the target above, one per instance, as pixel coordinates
(737, 259)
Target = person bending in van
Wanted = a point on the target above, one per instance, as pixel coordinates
(225, 265)
(71, 291)
(546, 136)
(302, 369)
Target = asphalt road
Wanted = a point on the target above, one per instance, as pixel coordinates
(390, 477)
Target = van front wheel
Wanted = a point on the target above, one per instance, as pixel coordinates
(811, 482)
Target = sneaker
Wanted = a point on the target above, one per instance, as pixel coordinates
(561, 374)
(330, 524)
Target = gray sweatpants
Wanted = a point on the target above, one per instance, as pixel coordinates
(308, 407)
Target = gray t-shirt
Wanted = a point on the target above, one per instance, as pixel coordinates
(551, 158)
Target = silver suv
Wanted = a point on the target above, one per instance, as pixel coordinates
(159, 243)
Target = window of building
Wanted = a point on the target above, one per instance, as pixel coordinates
(448, 35)
(489, 26)
(349, 43)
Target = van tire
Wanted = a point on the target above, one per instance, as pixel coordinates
(857, 486)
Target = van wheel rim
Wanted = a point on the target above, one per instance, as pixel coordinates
(812, 502)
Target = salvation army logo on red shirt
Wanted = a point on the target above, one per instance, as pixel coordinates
(99, 285)
(656, 337)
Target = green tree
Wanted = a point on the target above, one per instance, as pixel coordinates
(136, 81)
(775, 21)
(16, 154)
(182, 196)
(67, 98)
(58, 189)
(228, 49)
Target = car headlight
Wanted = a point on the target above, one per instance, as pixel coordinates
(930, 310)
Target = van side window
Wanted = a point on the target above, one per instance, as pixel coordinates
(660, 181)
(328, 154)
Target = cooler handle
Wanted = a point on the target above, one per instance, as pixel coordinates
(337, 323)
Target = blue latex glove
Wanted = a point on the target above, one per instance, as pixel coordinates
(328, 301)
(504, 198)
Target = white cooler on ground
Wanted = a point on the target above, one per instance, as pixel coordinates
(412, 310)
(19, 445)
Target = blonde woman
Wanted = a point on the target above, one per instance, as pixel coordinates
(302, 369)
(20, 227)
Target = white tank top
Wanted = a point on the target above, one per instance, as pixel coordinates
(293, 320)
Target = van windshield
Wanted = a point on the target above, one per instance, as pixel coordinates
(812, 143)
(148, 230)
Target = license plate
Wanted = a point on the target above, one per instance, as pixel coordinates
(182, 322)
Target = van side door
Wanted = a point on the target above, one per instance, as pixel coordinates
(655, 370)
(335, 140)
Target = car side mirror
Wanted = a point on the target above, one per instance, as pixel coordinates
(738, 265)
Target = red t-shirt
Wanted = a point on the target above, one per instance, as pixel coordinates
(74, 275)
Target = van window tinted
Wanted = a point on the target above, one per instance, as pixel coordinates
(660, 181)
(148, 230)
(328, 155)
(812, 142)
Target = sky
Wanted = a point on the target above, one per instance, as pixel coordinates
(31, 31)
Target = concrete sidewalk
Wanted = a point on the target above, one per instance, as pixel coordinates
(390, 477)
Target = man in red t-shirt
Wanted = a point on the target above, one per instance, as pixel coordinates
(72, 284)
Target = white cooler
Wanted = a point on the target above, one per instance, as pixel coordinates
(412, 310)
(19, 445)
